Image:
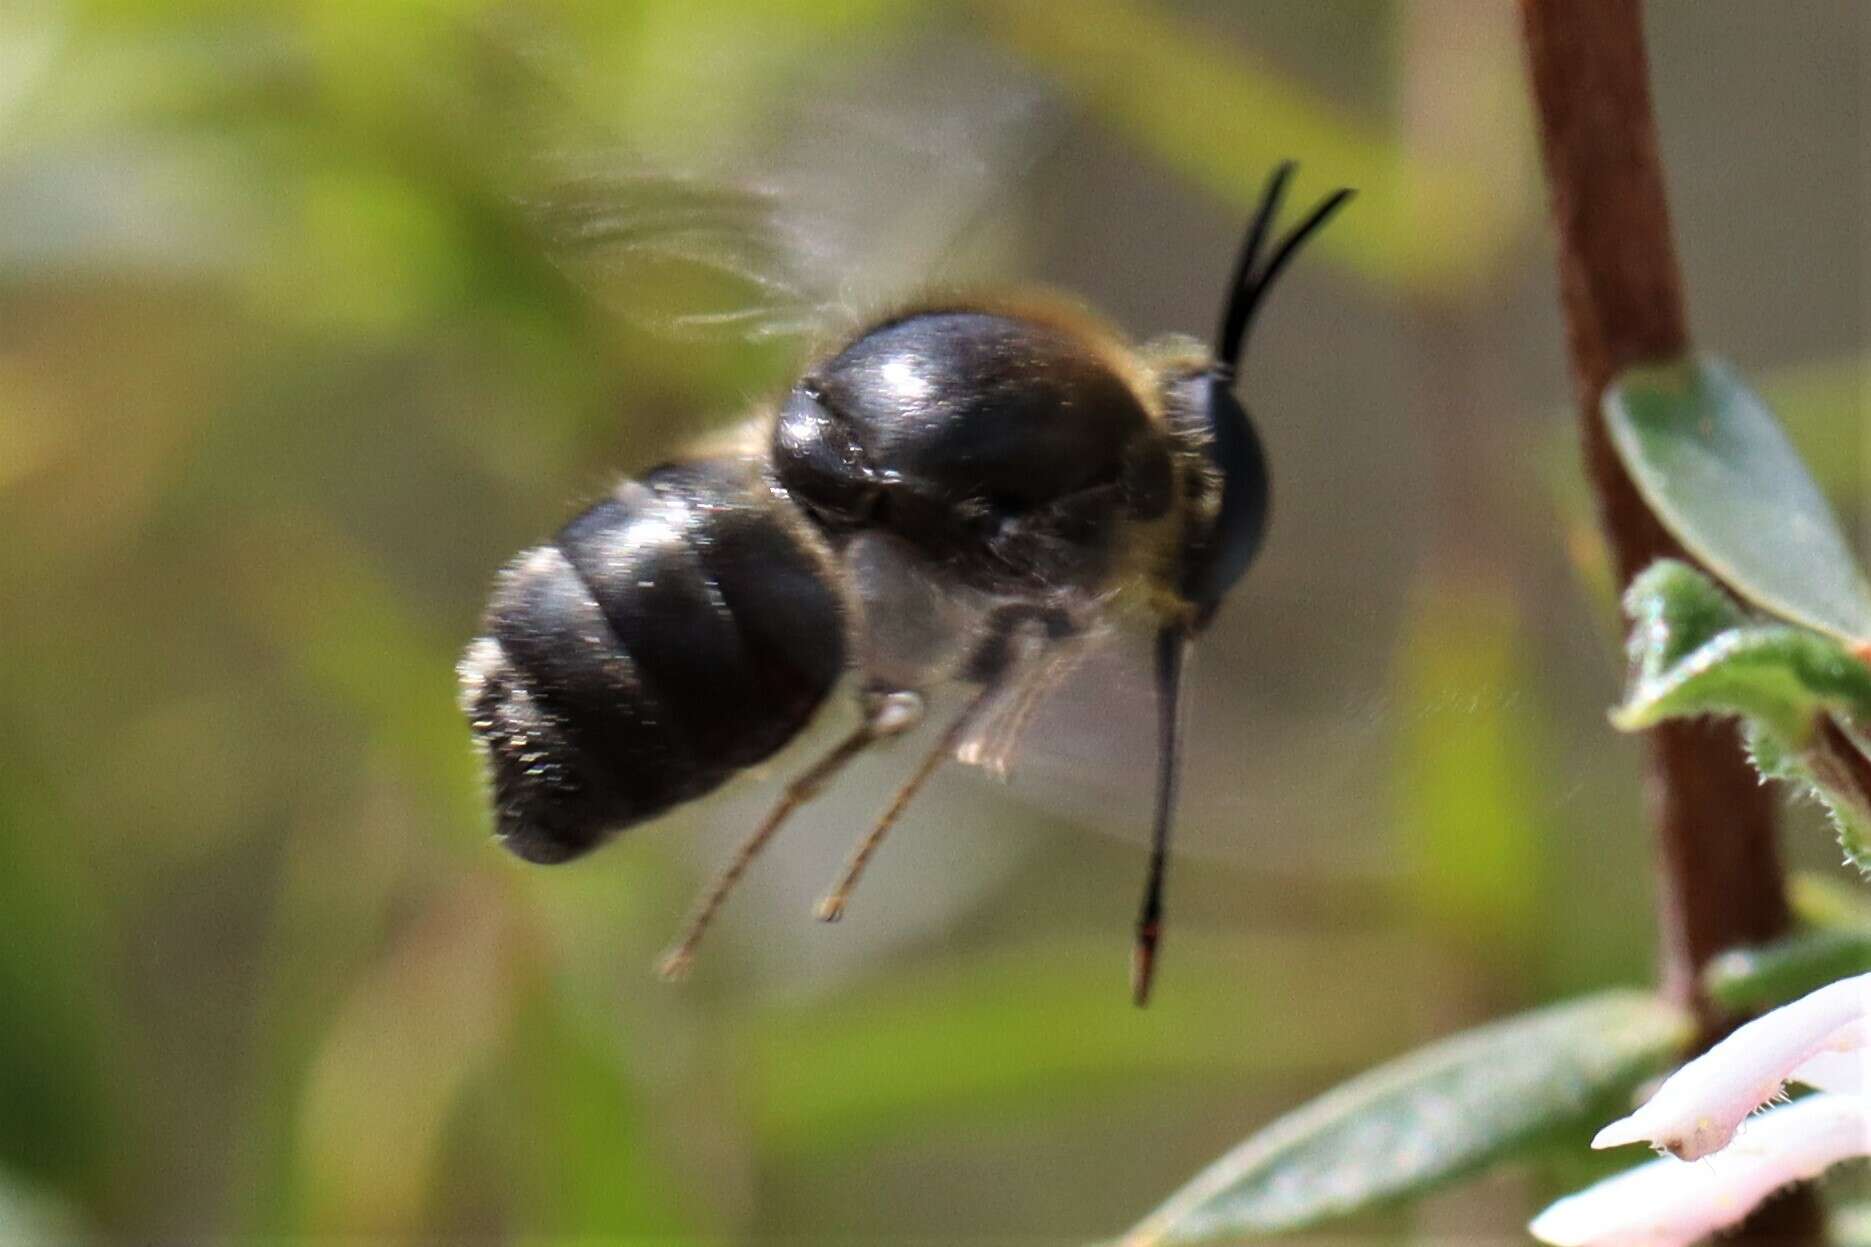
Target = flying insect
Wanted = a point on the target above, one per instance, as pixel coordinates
(956, 496)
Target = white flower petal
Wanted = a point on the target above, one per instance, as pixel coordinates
(1843, 1064)
(1669, 1202)
(1696, 1110)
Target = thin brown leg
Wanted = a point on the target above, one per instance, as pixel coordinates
(894, 714)
(832, 908)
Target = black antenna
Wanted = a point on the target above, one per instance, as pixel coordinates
(1247, 289)
(1172, 648)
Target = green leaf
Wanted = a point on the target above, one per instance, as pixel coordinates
(1834, 768)
(1786, 969)
(1854, 828)
(1674, 610)
(1426, 1119)
(1717, 469)
(1778, 674)
(1817, 769)
(1693, 655)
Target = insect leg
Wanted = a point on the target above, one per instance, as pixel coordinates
(891, 714)
(832, 908)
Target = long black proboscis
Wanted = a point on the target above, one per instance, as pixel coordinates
(1252, 279)
(1172, 651)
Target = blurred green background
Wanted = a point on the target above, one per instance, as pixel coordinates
(285, 374)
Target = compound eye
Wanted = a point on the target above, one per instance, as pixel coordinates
(1218, 558)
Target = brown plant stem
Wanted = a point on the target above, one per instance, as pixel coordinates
(1719, 877)
(1720, 881)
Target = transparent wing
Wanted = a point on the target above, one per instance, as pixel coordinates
(994, 743)
(873, 181)
(1262, 784)
(1308, 750)
(684, 256)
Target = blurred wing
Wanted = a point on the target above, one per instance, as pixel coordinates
(685, 257)
(1075, 736)
(994, 744)
(1263, 785)
(872, 182)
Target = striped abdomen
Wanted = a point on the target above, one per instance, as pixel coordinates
(669, 636)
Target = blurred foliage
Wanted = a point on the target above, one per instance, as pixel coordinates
(1790, 967)
(286, 370)
(1148, 74)
(1829, 903)
(1468, 776)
